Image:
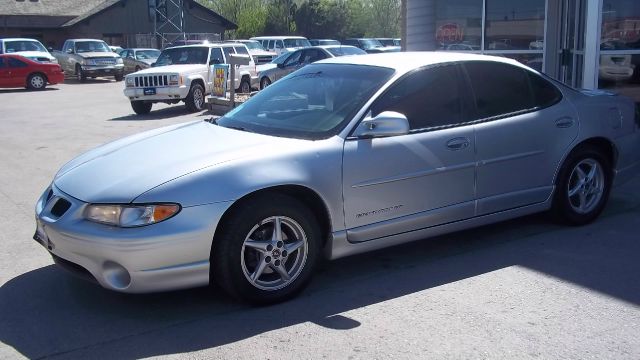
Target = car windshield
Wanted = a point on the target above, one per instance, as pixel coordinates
(312, 103)
(291, 43)
(346, 50)
(370, 43)
(253, 45)
(280, 59)
(328, 42)
(183, 55)
(91, 46)
(23, 45)
(147, 54)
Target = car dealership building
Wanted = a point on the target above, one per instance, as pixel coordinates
(584, 43)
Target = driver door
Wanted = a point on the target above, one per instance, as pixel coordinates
(425, 178)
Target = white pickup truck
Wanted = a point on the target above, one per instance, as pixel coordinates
(183, 73)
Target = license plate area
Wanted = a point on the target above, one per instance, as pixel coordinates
(149, 91)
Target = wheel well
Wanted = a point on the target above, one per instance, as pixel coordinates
(303, 194)
(197, 81)
(246, 77)
(607, 147)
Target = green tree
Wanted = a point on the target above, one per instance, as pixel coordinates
(280, 17)
(322, 19)
(385, 18)
(249, 15)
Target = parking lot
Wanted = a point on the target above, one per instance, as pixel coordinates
(526, 288)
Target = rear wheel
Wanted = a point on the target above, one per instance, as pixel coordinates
(245, 86)
(266, 250)
(36, 82)
(195, 100)
(583, 187)
(118, 77)
(141, 107)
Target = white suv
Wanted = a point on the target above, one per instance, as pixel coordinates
(184, 73)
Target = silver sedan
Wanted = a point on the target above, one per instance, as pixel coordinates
(344, 156)
(138, 59)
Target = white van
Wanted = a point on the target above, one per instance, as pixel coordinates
(282, 44)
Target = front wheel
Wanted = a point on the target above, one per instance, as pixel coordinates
(118, 77)
(583, 187)
(264, 82)
(80, 76)
(266, 250)
(195, 100)
(141, 107)
(36, 82)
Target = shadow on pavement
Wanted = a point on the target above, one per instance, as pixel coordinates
(48, 313)
(161, 114)
(99, 80)
(24, 90)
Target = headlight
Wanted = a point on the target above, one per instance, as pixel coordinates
(174, 79)
(89, 62)
(119, 60)
(129, 81)
(130, 215)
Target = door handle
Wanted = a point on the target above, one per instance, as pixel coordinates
(565, 122)
(458, 143)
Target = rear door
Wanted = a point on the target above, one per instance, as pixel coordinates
(18, 72)
(425, 178)
(5, 74)
(524, 128)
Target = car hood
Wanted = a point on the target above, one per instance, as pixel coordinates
(120, 171)
(265, 67)
(181, 69)
(97, 54)
(34, 54)
(260, 52)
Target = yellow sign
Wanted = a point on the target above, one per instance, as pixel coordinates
(220, 76)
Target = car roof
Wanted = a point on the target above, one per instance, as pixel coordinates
(407, 61)
(19, 39)
(140, 49)
(335, 46)
(277, 37)
(209, 45)
(85, 40)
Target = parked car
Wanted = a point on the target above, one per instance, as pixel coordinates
(183, 73)
(89, 58)
(372, 46)
(318, 42)
(280, 44)
(345, 156)
(29, 48)
(300, 58)
(387, 41)
(19, 71)
(137, 59)
(258, 53)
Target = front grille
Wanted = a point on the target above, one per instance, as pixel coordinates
(74, 269)
(60, 207)
(262, 59)
(104, 61)
(151, 80)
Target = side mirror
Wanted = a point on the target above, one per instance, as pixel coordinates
(387, 123)
(69, 51)
(153, 64)
(50, 48)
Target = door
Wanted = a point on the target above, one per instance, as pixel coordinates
(18, 72)
(524, 127)
(215, 57)
(572, 30)
(425, 178)
(4, 73)
(292, 64)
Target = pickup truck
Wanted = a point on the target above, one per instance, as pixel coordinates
(183, 73)
(89, 58)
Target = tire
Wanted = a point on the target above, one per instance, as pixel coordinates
(80, 76)
(141, 107)
(234, 264)
(264, 82)
(245, 86)
(118, 77)
(195, 101)
(36, 81)
(583, 187)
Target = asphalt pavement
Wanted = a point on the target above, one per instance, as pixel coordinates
(521, 289)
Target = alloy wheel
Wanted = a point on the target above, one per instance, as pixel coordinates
(586, 186)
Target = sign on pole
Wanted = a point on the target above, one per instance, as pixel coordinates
(220, 76)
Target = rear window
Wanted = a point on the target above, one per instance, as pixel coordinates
(346, 50)
(241, 50)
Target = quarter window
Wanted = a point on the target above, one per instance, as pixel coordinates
(430, 97)
(544, 93)
(15, 63)
(499, 89)
(216, 56)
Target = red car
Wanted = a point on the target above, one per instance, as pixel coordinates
(18, 71)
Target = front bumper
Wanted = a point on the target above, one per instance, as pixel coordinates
(162, 93)
(90, 70)
(173, 254)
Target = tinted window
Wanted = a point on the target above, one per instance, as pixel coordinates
(216, 56)
(241, 50)
(227, 52)
(294, 59)
(15, 63)
(428, 98)
(544, 93)
(313, 55)
(1, 63)
(346, 50)
(499, 88)
(185, 55)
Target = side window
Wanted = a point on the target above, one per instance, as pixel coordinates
(241, 50)
(429, 98)
(271, 45)
(279, 44)
(1, 48)
(544, 92)
(227, 52)
(313, 55)
(294, 59)
(2, 63)
(216, 56)
(15, 63)
(499, 88)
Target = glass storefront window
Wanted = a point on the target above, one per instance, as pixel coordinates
(620, 47)
(533, 61)
(515, 25)
(459, 25)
